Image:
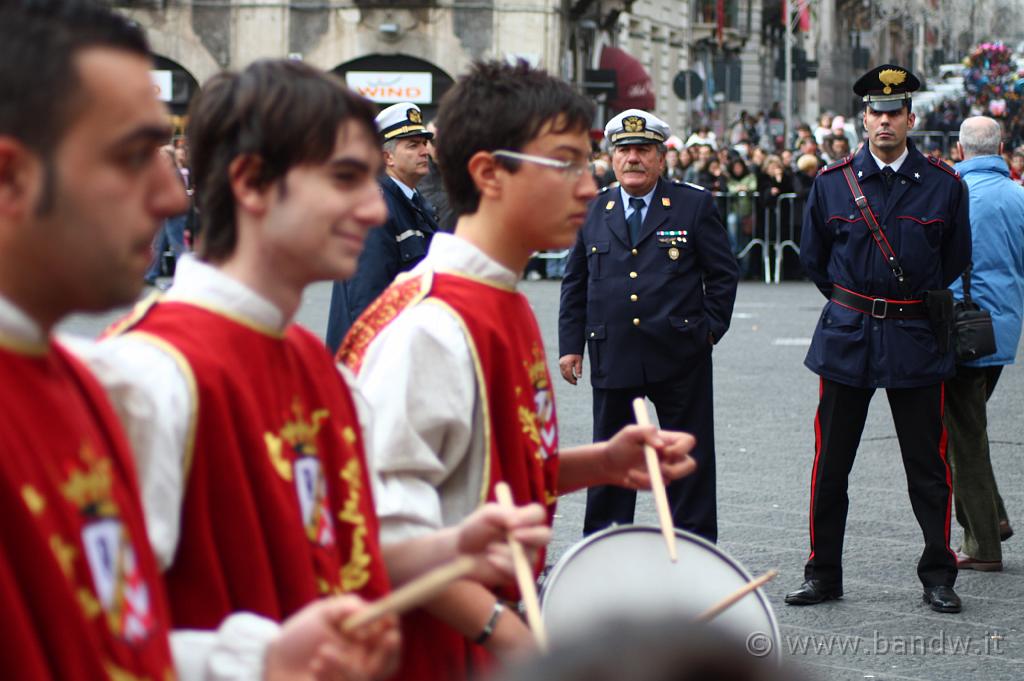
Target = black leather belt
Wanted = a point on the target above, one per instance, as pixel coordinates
(879, 308)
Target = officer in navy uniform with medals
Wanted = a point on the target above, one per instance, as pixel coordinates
(875, 331)
(401, 242)
(649, 287)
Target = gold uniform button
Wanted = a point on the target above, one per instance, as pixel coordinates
(633, 251)
(636, 321)
(633, 298)
(632, 275)
(592, 334)
(593, 249)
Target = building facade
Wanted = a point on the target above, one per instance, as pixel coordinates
(391, 51)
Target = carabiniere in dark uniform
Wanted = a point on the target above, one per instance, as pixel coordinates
(649, 309)
(876, 331)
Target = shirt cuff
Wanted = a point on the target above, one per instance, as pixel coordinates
(235, 652)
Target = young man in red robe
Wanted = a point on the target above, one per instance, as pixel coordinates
(247, 438)
(451, 358)
(83, 190)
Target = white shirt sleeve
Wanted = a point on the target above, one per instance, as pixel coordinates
(425, 439)
(235, 652)
(153, 394)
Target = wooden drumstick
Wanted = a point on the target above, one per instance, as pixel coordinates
(524, 574)
(668, 530)
(730, 600)
(412, 594)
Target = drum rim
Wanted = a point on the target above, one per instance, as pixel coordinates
(579, 546)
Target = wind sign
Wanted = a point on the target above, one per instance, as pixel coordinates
(391, 87)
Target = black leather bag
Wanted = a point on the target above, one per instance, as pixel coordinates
(973, 335)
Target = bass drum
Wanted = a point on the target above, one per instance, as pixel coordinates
(624, 573)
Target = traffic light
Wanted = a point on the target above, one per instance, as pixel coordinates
(802, 68)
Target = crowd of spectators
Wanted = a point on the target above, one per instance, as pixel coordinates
(755, 168)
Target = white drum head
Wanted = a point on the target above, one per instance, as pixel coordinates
(625, 573)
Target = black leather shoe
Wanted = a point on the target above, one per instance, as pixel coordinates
(1005, 531)
(812, 592)
(942, 599)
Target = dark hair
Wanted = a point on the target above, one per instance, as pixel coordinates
(283, 113)
(744, 170)
(39, 84)
(500, 106)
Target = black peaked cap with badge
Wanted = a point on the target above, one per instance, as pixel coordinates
(402, 120)
(886, 88)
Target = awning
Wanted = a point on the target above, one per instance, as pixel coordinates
(635, 87)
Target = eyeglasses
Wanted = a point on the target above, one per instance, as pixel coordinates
(571, 169)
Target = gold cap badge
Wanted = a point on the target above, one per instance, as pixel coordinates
(890, 77)
(633, 124)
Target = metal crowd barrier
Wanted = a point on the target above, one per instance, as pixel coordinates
(769, 232)
(926, 139)
(787, 232)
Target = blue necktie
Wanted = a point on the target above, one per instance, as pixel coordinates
(423, 211)
(635, 219)
(889, 176)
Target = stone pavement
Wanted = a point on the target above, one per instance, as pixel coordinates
(765, 401)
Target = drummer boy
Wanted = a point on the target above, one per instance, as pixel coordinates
(451, 359)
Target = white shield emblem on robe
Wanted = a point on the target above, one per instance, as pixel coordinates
(117, 579)
(309, 486)
(102, 541)
(545, 410)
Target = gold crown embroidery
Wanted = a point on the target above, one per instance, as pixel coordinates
(633, 124)
(90, 490)
(415, 116)
(890, 77)
(300, 436)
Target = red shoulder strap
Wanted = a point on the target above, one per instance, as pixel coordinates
(836, 164)
(876, 230)
(942, 165)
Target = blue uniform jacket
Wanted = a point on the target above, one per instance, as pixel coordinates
(926, 222)
(645, 311)
(396, 246)
(997, 226)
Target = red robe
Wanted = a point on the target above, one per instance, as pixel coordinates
(522, 447)
(277, 509)
(80, 588)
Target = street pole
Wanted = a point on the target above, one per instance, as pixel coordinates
(788, 126)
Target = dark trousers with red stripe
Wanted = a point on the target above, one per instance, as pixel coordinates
(917, 413)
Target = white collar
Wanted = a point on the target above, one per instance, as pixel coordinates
(203, 284)
(406, 189)
(626, 196)
(18, 326)
(449, 252)
(895, 165)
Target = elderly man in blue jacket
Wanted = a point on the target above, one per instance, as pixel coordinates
(997, 285)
